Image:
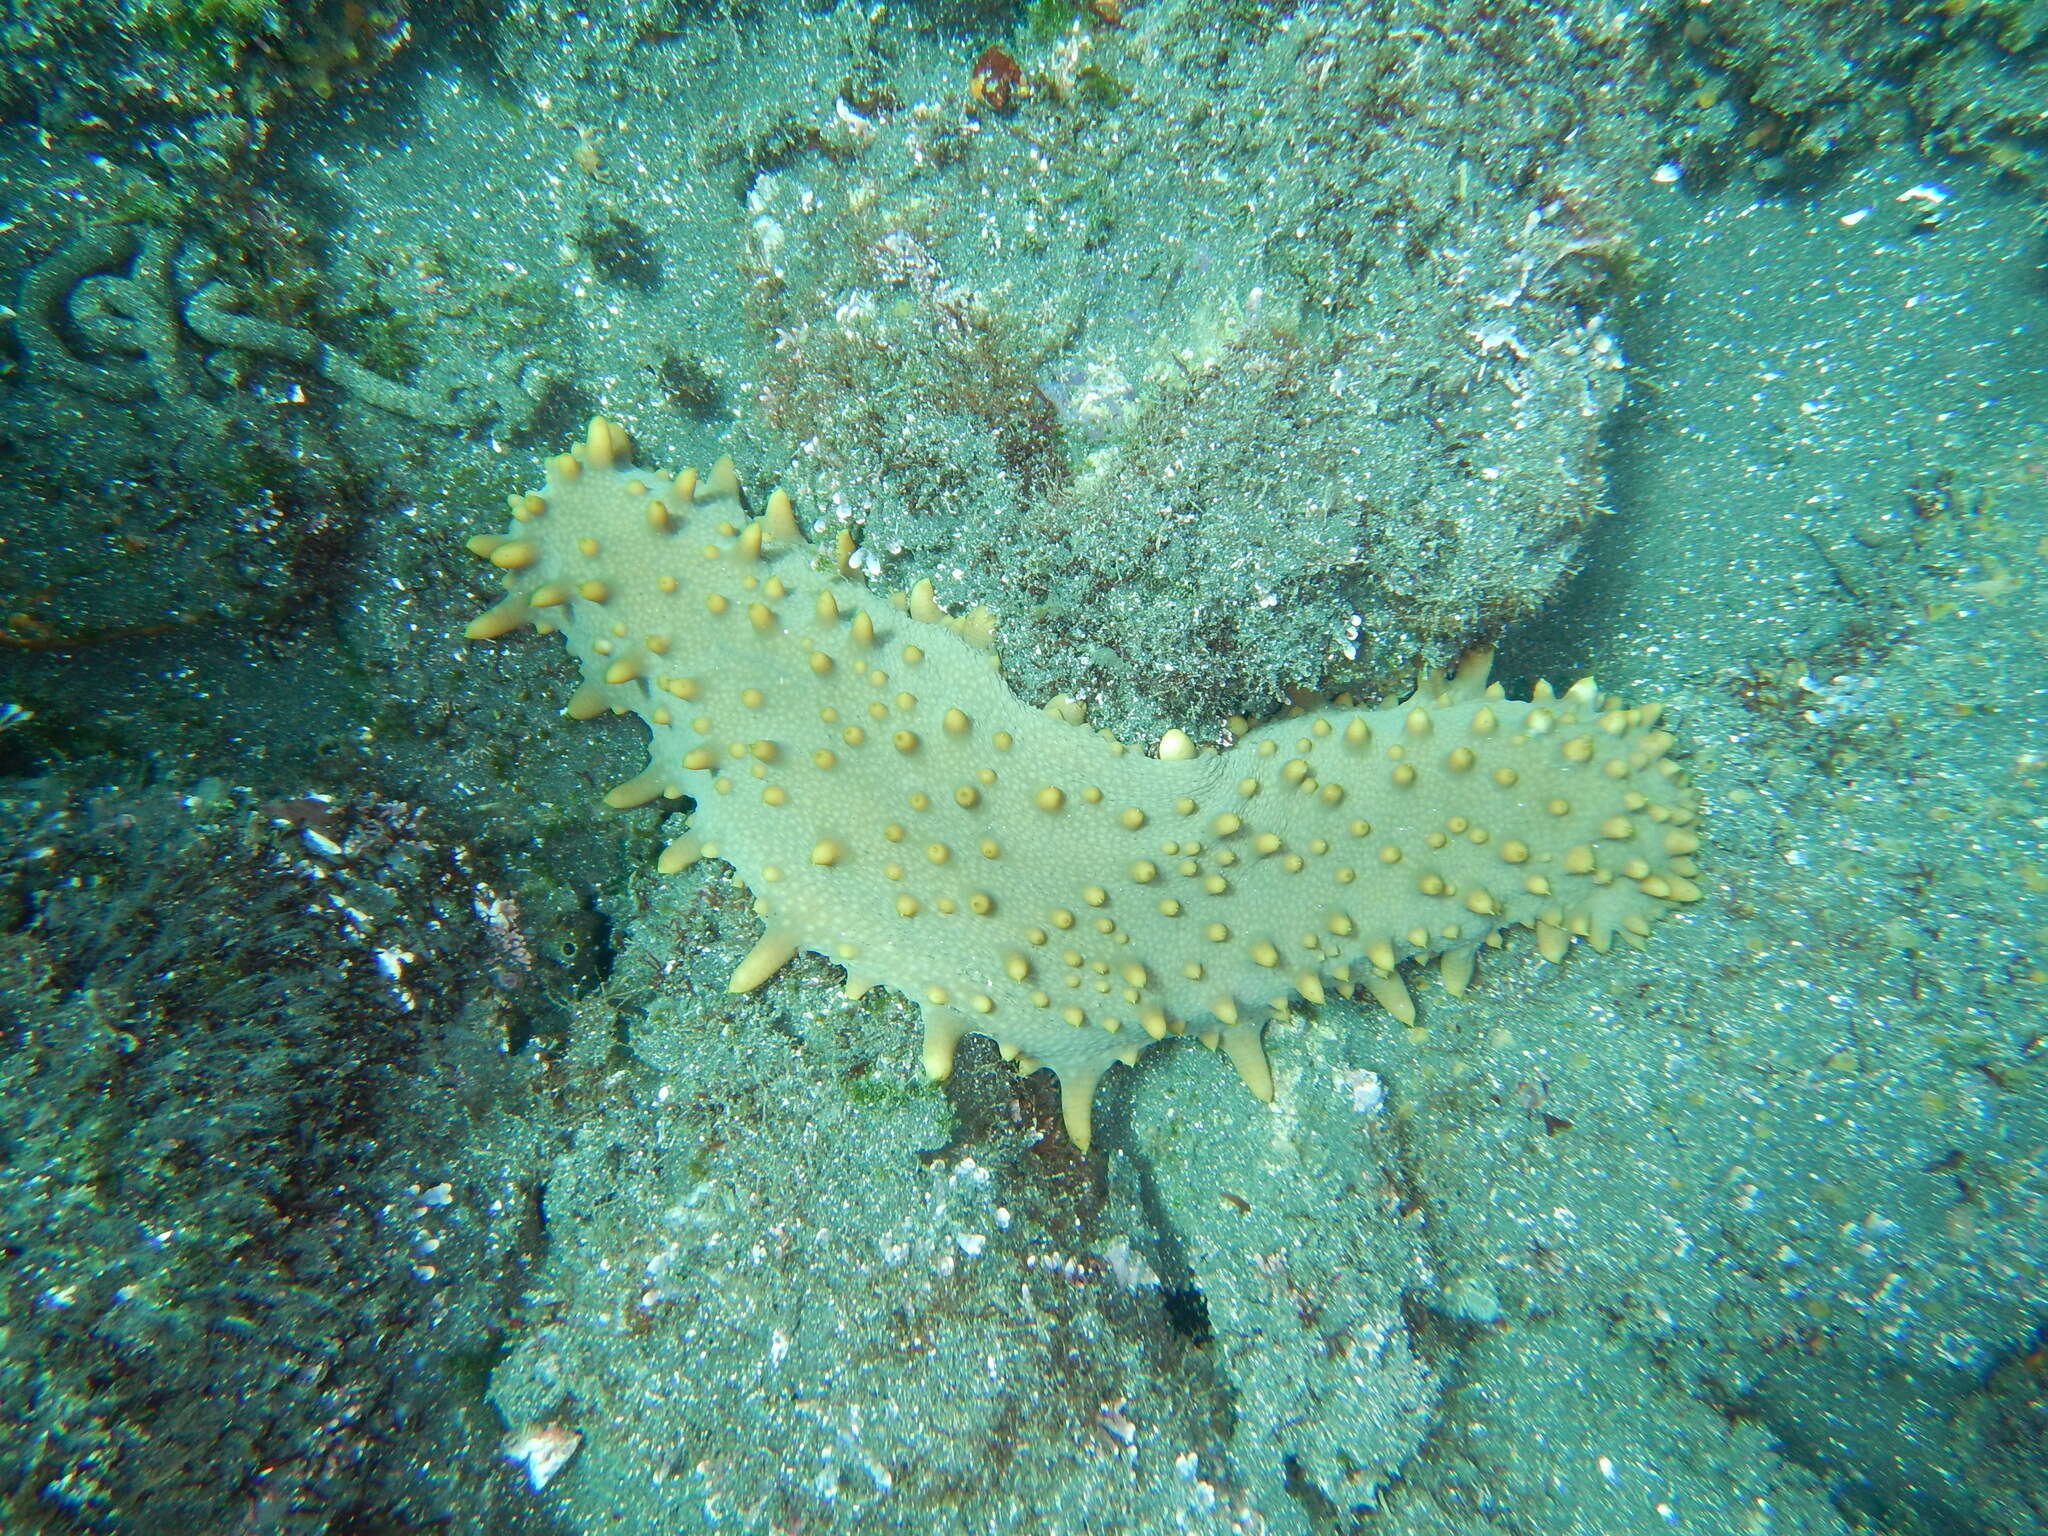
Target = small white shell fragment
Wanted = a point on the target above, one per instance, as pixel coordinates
(544, 1449)
(1368, 1093)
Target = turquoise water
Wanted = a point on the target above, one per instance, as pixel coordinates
(384, 1151)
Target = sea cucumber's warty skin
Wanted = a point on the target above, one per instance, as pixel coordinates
(862, 766)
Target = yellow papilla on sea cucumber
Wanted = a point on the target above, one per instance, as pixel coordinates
(862, 766)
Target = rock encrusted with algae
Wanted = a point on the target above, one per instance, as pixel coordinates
(862, 766)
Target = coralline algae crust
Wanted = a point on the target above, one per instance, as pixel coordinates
(861, 765)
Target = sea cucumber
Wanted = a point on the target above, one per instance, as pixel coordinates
(860, 763)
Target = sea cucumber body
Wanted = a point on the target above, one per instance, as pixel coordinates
(862, 766)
